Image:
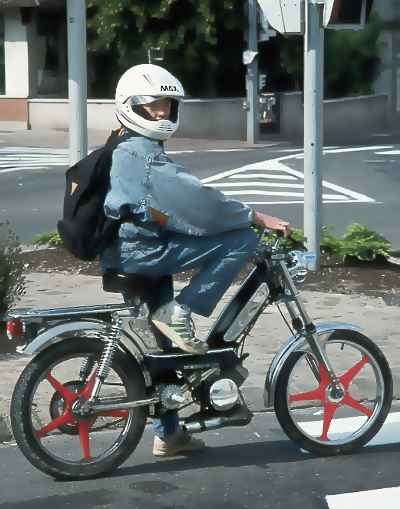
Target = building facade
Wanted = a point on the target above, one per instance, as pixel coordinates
(33, 56)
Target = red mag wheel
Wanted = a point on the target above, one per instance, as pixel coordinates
(344, 418)
(51, 436)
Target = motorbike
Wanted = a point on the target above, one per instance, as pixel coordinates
(80, 406)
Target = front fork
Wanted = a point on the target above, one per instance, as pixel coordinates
(303, 324)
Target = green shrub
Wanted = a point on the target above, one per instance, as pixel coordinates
(363, 244)
(12, 280)
(358, 243)
(329, 243)
(50, 239)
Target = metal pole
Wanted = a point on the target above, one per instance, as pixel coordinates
(77, 79)
(313, 126)
(253, 127)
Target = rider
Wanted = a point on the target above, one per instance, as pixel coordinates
(178, 222)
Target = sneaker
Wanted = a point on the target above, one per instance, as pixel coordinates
(174, 321)
(177, 443)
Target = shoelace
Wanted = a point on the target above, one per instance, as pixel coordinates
(189, 322)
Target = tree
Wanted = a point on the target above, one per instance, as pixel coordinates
(351, 59)
(202, 39)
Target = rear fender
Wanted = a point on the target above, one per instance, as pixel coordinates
(296, 342)
(63, 331)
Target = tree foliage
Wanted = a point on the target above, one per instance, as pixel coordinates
(201, 39)
(351, 59)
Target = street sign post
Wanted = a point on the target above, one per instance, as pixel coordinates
(251, 61)
(77, 79)
(310, 17)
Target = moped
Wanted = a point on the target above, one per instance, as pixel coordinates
(81, 404)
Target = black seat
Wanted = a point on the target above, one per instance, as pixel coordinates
(153, 291)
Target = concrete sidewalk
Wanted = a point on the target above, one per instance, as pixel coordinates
(55, 138)
(379, 321)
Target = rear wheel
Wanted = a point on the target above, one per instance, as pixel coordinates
(47, 432)
(350, 417)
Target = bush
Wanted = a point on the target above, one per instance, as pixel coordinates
(363, 244)
(12, 280)
(358, 243)
(47, 239)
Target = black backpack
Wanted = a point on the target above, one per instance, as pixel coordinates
(84, 228)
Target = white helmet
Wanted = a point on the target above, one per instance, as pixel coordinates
(143, 84)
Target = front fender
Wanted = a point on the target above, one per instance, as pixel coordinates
(296, 342)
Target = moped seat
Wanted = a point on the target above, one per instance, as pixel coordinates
(153, 291)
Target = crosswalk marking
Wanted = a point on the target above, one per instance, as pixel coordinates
(13, 159)
(387, 498)
(253, 180)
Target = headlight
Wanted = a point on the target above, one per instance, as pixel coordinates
(299, 262)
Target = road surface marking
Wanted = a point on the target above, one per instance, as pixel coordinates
(261, 171)
(388, 434)
(387, 498)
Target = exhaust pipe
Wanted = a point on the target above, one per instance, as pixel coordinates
(241, 417)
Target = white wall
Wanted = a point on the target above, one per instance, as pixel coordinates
(200, 118)
(350, 119)
(345, 119)
(16, 54)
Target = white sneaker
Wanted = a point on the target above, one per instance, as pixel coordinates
(174, 321)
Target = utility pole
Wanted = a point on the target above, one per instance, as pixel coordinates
(313, 126)
(253, 126)
(77, 79)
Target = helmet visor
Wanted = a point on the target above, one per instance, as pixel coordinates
(137, 107)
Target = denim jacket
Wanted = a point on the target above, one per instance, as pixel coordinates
(143, 177)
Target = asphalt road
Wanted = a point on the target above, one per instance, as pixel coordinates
(254, 467)
(360, 184)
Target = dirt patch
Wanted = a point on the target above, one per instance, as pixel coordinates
(379, 279)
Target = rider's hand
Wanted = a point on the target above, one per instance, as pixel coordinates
(271, 222)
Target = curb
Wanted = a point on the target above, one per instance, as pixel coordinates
(5, 429)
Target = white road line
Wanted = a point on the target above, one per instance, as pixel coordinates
(388, 434)
(22, 168)
(356, 149)
(389, 153)
(258, 184)
(31, 165)
(353, 194)
(249, 192)
(299, 202)
(263, 175)
(279, 169)
(387, 498)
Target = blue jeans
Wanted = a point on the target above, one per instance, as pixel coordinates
(220, 258)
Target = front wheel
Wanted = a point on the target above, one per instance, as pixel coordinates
(349, 417)
(44, 426)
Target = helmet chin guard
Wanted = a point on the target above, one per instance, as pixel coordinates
(143, 84)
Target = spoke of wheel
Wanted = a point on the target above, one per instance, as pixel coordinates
(66, 418)
(351, 402)
(113, 413)
(84, 427)
(348, 377)
(308, 396)
(86, 392)
(329, 412)
(315, 393)
(67, 395)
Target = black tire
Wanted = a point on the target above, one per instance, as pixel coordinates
(323, 448)
(132, 378)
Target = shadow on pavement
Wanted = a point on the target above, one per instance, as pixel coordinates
(259, 454)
